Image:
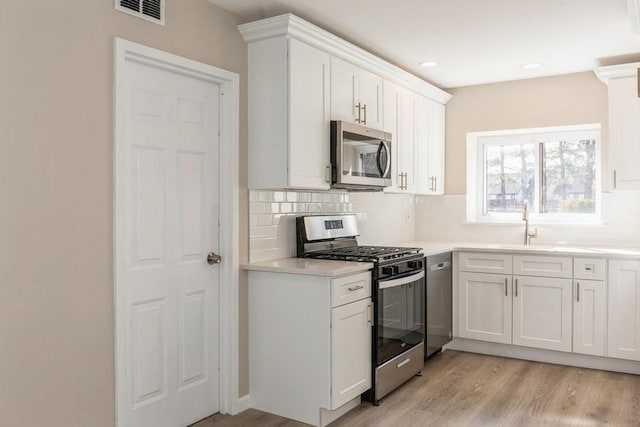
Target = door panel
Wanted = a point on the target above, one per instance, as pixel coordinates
(485, 307)
(344, 91)
(170, 203)
(371, 96)
(542, 312)
(624, 309)
(589, 317)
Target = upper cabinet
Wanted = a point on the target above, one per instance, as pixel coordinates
(302, 77)
(356, 94)
(430, 150)
(624, 124)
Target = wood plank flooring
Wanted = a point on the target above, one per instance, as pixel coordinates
(465, 389)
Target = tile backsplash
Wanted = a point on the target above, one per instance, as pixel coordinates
(382, 218)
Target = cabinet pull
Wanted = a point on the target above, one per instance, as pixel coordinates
(358, 119)
(355, 288)
(327, 173)
(370, 315)
(506, 291)
(435, 184)
(615, 178)
(365, 113)
(578, 293)
(404, 362)
(516, 294)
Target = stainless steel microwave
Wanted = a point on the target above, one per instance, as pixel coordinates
(360, 157)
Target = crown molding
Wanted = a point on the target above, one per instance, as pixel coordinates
(289, 25)
(616, 71)
(633, 6)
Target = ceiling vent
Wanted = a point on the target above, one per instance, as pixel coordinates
(150, 10)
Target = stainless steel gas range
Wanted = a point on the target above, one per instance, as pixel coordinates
(398, 296)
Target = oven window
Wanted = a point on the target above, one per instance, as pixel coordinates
(400, 319)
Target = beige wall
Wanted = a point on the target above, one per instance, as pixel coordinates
(569, 99)
(56, 291)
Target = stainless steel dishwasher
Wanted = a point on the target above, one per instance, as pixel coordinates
(438, 303)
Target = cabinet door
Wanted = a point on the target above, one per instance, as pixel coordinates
(485, 305)
(624, 309)
(350, 351)
(430, 147)
(589, 317)
(436, 124)
(371, 99)
(345, 84)
(391, 99)
(624, 132)
(407, 133)
(542, 312)
(309, 152)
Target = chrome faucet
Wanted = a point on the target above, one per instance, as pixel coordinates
(525, 217)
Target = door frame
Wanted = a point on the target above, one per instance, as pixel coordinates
(228, 301)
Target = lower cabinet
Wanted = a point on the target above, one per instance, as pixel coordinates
(589, 317)
(485, 306)
(624, 309)
(309, 344)
(350, 351)
(542, 312)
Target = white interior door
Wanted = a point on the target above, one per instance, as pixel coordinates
(168, 300)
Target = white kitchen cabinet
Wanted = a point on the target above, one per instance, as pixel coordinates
(542, 308)
(623, 335)
(589, 317)
(485, 307)
(485, 262)
(545, 266)
(350, 351)
(288, 115)
(624, 124)
(309, 344)
(400, 119)
(430, 147)
(356, 94)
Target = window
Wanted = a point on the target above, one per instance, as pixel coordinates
(556, 170)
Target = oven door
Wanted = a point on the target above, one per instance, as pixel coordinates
(400, 315)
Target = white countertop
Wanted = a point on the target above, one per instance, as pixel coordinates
(432, 248)
(310, 267)
(328, 268)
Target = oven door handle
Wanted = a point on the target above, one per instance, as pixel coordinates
(391, 283)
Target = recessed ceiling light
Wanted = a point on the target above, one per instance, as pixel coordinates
(428, 64)
(531, 66)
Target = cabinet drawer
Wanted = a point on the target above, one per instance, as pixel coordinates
(549, 266)
(589, 268)
(350, 288)
(484, 262)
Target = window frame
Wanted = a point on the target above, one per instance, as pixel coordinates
(476, 176)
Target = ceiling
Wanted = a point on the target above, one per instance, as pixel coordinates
(474, 42)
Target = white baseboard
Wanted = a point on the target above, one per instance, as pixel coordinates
(546, 356)
(242, 404)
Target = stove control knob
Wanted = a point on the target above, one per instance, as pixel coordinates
(415, 264)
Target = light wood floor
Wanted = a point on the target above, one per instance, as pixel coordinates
(464, 389)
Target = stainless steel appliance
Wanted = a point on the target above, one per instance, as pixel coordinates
(360, 157)
(439, 319)
(398, 295)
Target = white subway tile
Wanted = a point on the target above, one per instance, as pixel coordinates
(292, 196)
(285, 207)
(256, 231)
(253, 196)
(257, 208)
(253, 220)
(266, 219)
(278, 196)
(265, 196)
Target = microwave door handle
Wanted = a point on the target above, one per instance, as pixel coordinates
(383, 169)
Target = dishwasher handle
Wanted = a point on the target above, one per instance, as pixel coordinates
(440, 266)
